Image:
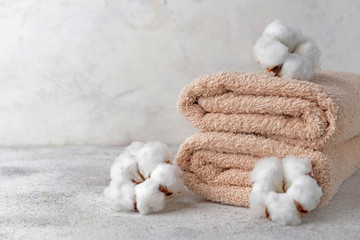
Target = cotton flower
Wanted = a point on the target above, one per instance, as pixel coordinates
(152, 154)
(134, 147)
(290, 36)
(120, 194)
(257, 197)
(306, 192)
(281, 208)
(283, 190)
(284, 50)
(169, 176)
(125, 166)
(267, 177)
(148, 197)
(294, 167)
(298, 67)
(142, 177)
(270, 52)
(269, 170)
(310, 50)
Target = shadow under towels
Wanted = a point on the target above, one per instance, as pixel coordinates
(247, 116)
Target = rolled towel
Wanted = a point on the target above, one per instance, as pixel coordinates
(217, 165)
(308, 114)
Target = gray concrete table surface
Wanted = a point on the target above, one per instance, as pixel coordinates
(57, 193)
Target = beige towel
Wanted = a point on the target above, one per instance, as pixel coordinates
(255, 115)
(217, 165)
(297, 112)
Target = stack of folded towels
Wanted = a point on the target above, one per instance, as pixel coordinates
(248, 116)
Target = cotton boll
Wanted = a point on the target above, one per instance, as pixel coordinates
(295, 167)
(306, 192)
(282, 209)
(120, 194)
(268, 170)
(284, 50)
(150, 155)
(148, 197)
(257, 196)
(267, 176)
(269, 52)
(302, 193)
(310, 50)
(296, 66)
(168, 175)
(290, 36)
(133, 187)
(134, 147)
(124, 165)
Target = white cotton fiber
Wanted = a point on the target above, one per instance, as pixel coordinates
(284, 50)
(269, 52)
(143, 177)
(148, 197)
(296, 66)
(168, 175)
(295, 167)
(268, 170)
(267, 197)
(124, 165)
(290, 36)
(150, 155)
(257, 197)
(305, 191)
(282, 209)
(134, 147)
(120, 194)
(310, 50)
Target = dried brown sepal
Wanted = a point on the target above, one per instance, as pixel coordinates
(142, 176)
(134, 206)
(310, 174)
(301, 210)
(136, 182)
(283, 187)
(267, 214)
(276, 70)
(166, 191)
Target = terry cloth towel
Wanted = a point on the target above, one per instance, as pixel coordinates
(217, 165)
(309, 114)
(256, 115)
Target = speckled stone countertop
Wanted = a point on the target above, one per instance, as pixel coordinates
(57, 193)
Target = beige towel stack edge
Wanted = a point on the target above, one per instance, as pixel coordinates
(247, 116)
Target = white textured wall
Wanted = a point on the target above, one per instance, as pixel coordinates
(108, 72)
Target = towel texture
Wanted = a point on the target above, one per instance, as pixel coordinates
(297, 112)
(248, 116)
(217, 165)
